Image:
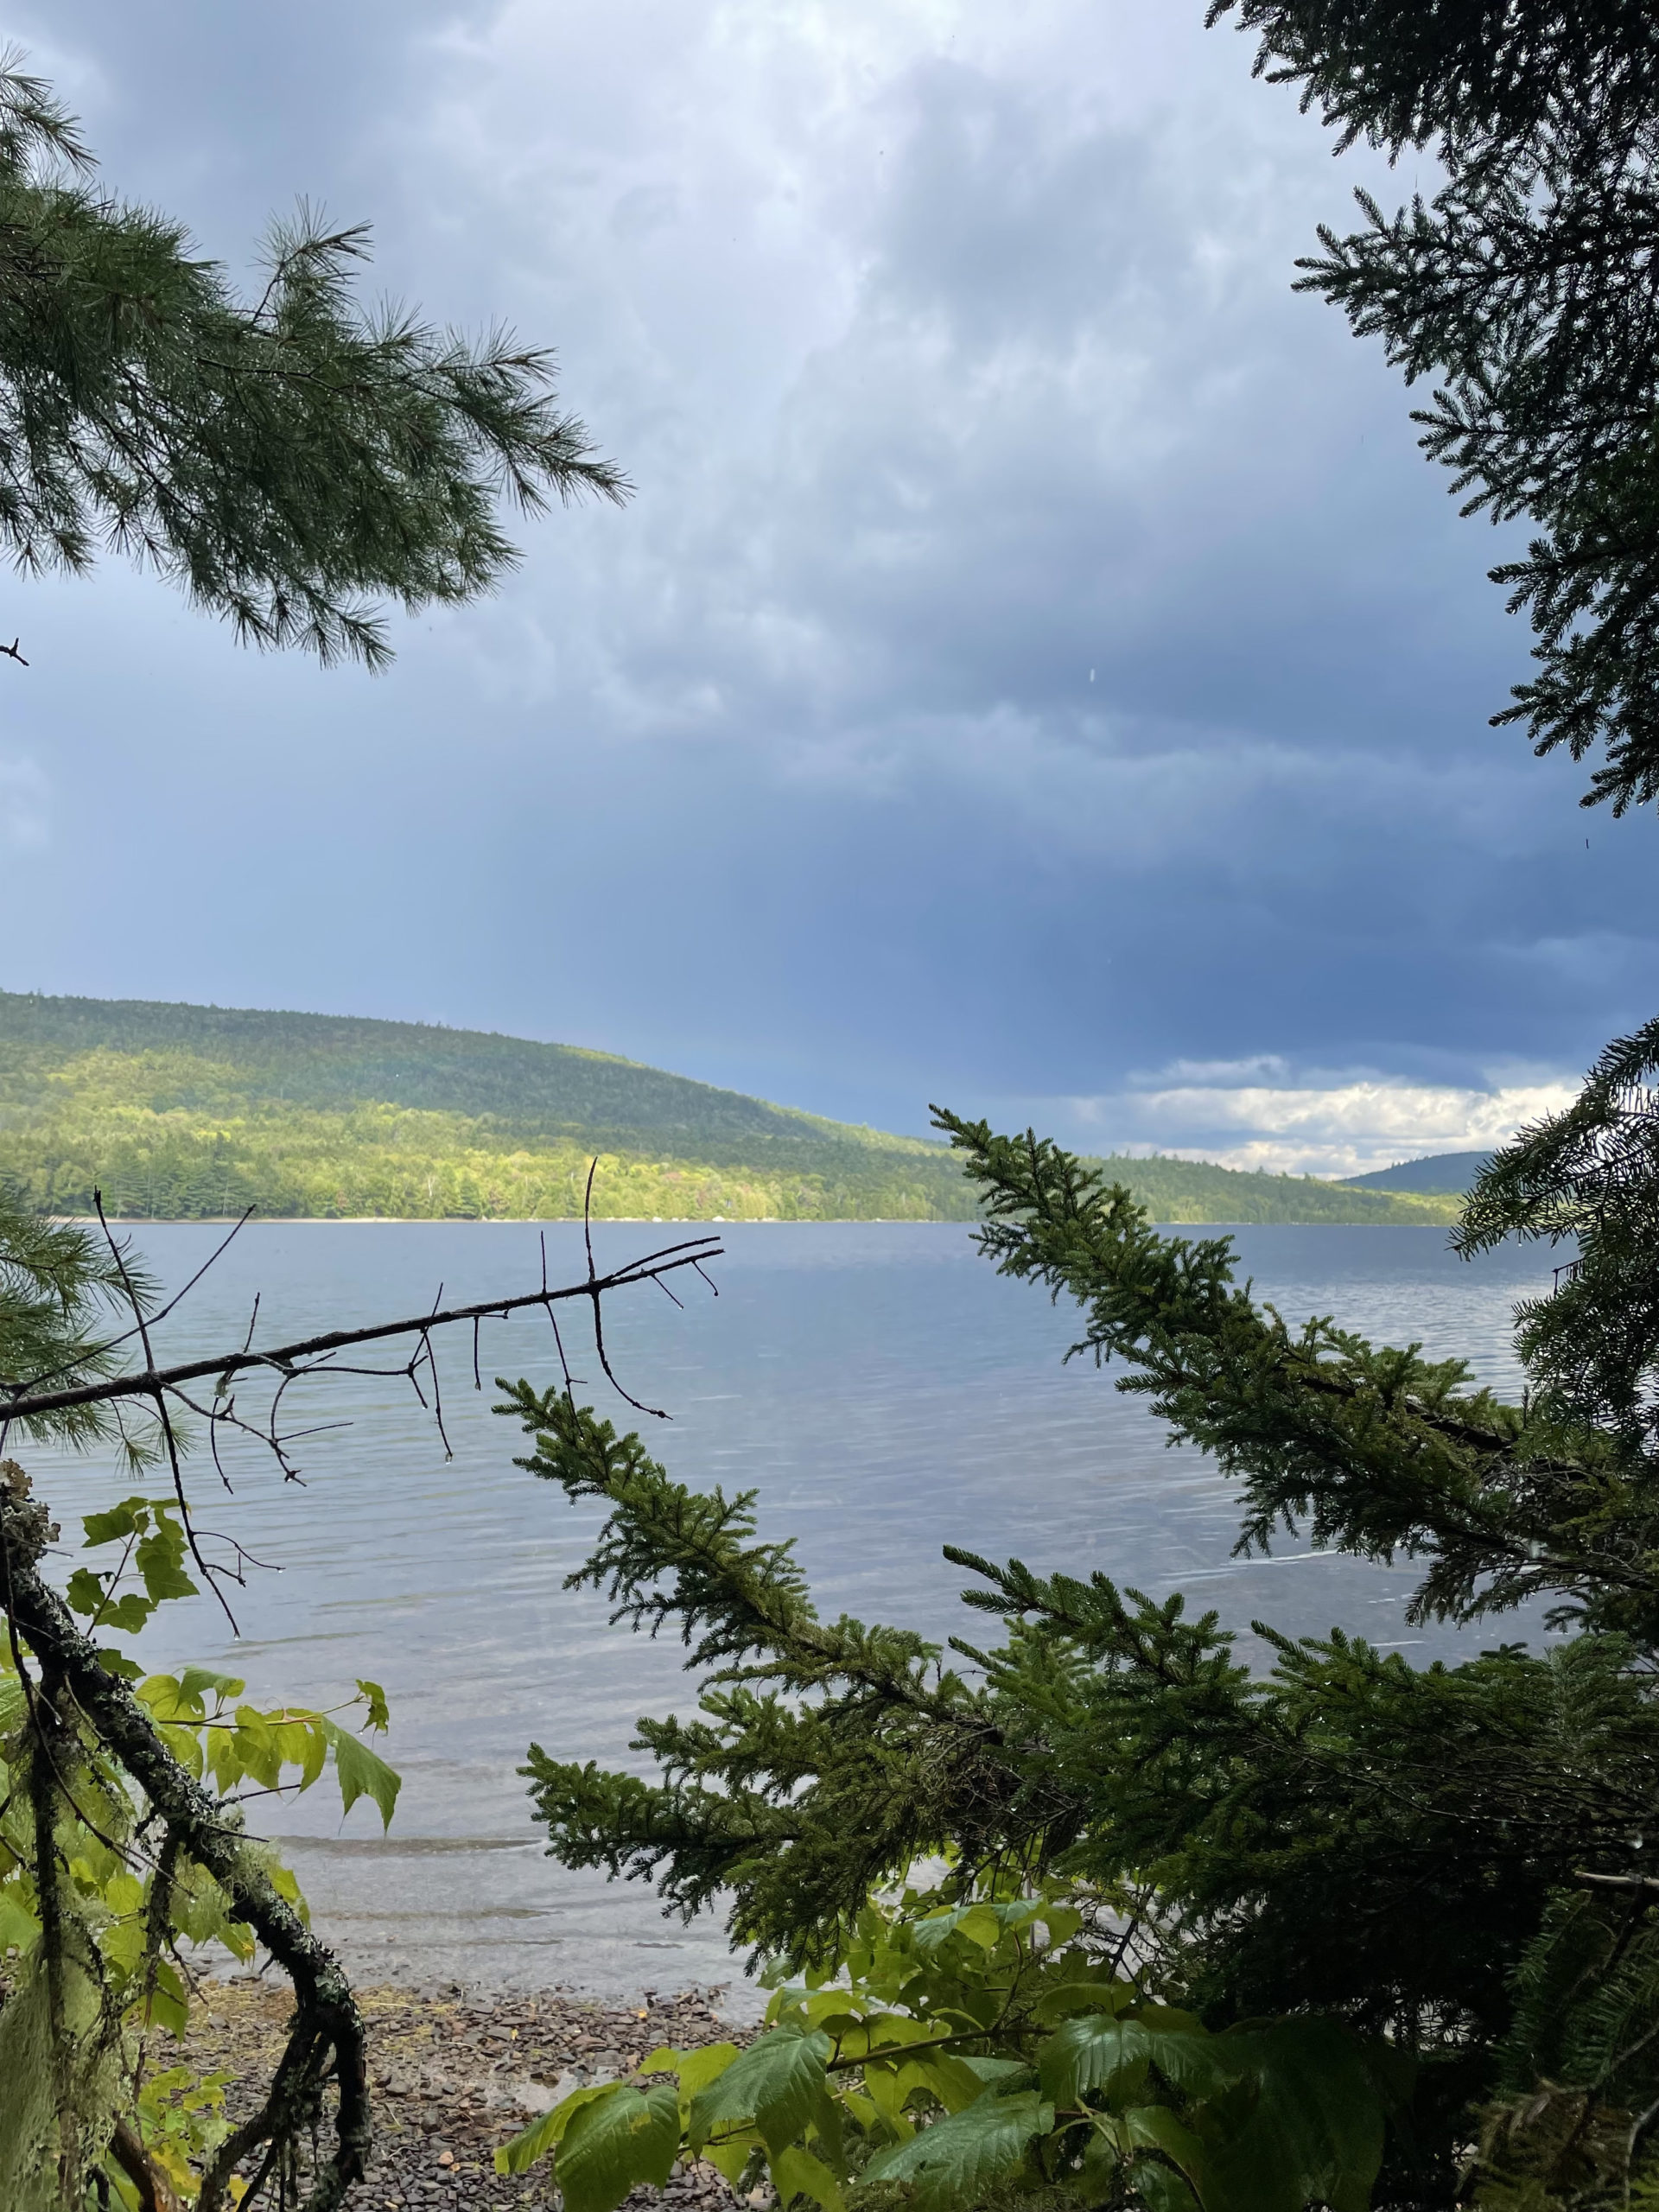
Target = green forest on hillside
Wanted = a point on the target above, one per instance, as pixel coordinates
(1195, 1191)
(189, 1113)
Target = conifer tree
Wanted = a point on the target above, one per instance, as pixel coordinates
(1526, 290)
(1454, 1863)
(1451, 1861)
(287, 459)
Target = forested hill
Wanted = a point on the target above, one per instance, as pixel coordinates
(186, 1112)
(1443, 1171)
(1195, 1191)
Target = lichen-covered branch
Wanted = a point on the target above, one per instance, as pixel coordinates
(326, 2041)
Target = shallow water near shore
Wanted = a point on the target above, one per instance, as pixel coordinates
(878, 1385)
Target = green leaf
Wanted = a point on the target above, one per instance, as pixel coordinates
(1096, 2056)
(1160, 2188)
(125, 1519)
(18, 1925)
(1314, 2130)
(883, 2088)
(887, 2031)
(184, 1744)
(286, 1884)
(160, 1560)
(300, 1742)
(611, 2147)
(257, 1749)
(821, 2005)
(84, 1592)
(950, 2080)
(196, 1680)
(1003, 2074)
(363, 1773)
(379, 1713)
(796, 2172)
(978, 1922)
(164, 1695)
(958, 2160)
(1062, 1999)
(169, 2001)
(1155, 2127)
(519, 2153)
(775, 2084)
(730, 2156)
(123, 1892)
(128, 1613)
(1063, 1921)
(697, 2068)
(545, 2134)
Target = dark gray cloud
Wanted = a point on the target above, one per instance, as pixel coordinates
(1036, 658)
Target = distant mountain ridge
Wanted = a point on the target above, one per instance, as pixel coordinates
(1452, 1171)
(330, 1061)
(190, 1112)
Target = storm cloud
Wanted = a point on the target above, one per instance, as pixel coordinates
(1036, 665)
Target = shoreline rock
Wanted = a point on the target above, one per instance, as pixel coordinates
(456, 2071)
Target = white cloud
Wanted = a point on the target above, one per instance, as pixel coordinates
(934, 341)
(1035, 641)
(1336, 1129)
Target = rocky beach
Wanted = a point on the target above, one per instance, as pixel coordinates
(455, 2072)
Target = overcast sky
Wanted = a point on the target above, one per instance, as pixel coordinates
(1037, 673)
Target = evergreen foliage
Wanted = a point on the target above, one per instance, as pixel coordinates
(1451, 1862)
(1528, 288)
(1448, 1861)
(60, 1287)
(286, 459)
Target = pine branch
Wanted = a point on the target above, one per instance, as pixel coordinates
(287, 461)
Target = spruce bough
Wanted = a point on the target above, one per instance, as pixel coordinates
(1447, 1865)
(1525, 294)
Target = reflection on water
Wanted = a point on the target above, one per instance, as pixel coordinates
(878, 1385)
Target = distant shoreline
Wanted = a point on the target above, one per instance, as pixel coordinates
(181, 1113)
(645, 1221)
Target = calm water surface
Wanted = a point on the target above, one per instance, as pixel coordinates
(868, 1381)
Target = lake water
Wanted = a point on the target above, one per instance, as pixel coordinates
(868, 1380)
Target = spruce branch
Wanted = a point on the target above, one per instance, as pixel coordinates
(1372, 1450)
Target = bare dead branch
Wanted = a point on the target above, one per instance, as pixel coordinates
(19, 1403)
(656, 1412)
(155, 1391)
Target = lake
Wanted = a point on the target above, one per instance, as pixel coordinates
(868, 1380)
